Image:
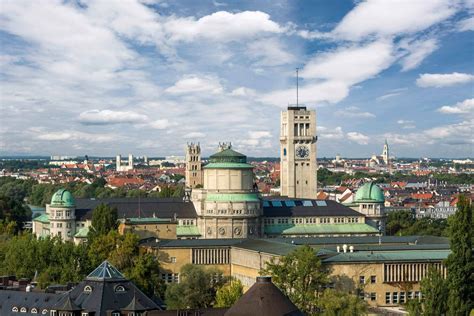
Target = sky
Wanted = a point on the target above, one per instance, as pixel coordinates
(107, 77)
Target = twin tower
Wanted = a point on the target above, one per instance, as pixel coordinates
(298, 166)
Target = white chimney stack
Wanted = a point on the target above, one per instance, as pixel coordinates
(344, 248)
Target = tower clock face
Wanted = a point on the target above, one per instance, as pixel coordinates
(302, 151)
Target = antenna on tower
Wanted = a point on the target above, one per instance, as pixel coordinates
(297, 69)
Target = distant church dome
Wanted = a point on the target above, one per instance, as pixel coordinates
(369, 192)
(63, 198)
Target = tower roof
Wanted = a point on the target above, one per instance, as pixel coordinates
(63, 198)
(105, 271)
(264, 299)
(369, 192)
(228, 155)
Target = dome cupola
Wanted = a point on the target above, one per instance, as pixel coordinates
(370, 193)
(63, 198)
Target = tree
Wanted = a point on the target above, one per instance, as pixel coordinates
(104, 219)
(229, 293)
(197, 288)
(336, 303)
(145, 273)
(301, 276)
(460, 263)
(435, 293)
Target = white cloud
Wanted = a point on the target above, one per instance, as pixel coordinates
(261, 139)
(103, 117)
(196, 84)
(243, 92)
(161, 124)
(194, 135)
(76, 136)
(222, 26)
(359, 138)
(333, 133)
(464, 107)
(451, 134)
(388, 96)
(389, 18)
(354, 111)
(466, 25)
(352, 64)
(269, 52)
(443, 80)
(418, 50)
(406, 124)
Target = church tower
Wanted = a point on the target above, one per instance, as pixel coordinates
(298, 174)
(385, 153)
(193, 172)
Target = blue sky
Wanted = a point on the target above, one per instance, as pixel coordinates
(145, 77)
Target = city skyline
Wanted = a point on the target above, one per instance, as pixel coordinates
(146, 77)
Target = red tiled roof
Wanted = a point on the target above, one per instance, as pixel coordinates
(422, 196)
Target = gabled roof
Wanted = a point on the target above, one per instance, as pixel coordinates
(105, 271)
(66, 304)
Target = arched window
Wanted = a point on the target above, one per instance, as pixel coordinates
(44, 312)
(15, 309)
(87, 289)
(284, 151)
(34, 311)
(23, 310)
(119, 289)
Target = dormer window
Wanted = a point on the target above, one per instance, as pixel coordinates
(119, 289)
(23, 310)
(87, 289)
(44, 312)
(15, 309)
(34, 311)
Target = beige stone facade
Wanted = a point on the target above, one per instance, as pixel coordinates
(298, 166)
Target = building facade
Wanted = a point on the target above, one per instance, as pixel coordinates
(298, 174)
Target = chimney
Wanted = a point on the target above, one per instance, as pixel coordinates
(344, 248)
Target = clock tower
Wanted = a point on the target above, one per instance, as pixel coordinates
(298, 168)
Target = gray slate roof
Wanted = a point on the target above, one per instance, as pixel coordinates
(285, 207)
(132, 207)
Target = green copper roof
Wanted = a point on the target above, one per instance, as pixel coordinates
(232, 197)
(290, 229)
(369, 192)
(388, 256)
(82, 233)
(63, 198)
(43, 218)
(228, 165)
(105, 271)
(187, 231)
(145, 220)
(228, 155)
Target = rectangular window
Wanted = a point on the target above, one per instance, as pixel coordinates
(395, 297)
(373, 279)
(361, 295)
(402, 297)
(387, 297)
(361, 279)
(410, 295)
(417, 294)
(373, 296)
(173, 259)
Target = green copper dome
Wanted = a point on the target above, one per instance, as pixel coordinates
(369, 192)
(228, 155)
(63, 198)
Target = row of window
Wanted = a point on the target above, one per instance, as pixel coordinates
(311, 220)
(234, 212)
(32, 311)
(211, 256)
(186, 222)
(170, 277)
(59, 214)
(373, 279)
(401, 297)
(293, 203)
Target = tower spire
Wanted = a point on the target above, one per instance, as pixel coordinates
(297, 103)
